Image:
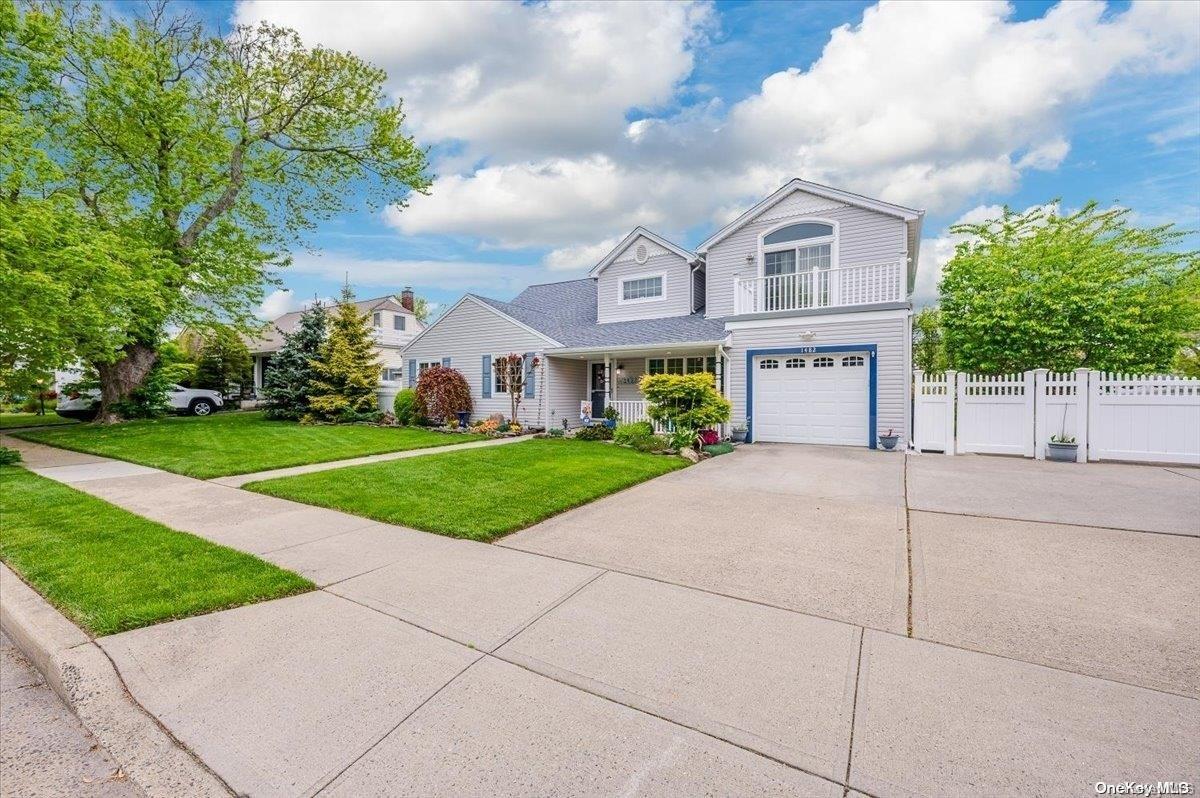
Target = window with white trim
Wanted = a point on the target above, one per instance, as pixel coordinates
(852, 360)
(376, 319)
(499, 379)
(822, 362)
(769, 363)
(695, 364)
(398, 321)
(424, 364)
(393, 374)
(643, 288)
(805, 249)
(794, 363)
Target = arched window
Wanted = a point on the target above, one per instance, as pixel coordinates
(794, 363)
(852, 360)
(822, 362)
(769, 363)
(798, 232)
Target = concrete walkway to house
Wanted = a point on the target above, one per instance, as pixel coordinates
(738, 627)
(237, 480)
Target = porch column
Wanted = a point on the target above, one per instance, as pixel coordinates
(608, 386)
(722, 386)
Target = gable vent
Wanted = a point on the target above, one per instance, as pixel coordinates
(640, 254)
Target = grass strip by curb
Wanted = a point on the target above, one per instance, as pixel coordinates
(109, 570)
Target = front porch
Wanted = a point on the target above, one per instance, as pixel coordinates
(592, 381)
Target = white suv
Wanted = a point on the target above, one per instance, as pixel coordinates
(195, 401)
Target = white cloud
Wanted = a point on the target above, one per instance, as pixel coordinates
(1181, 131)
(278, 302)
(393, 274)
(584, 256)
(512, 79)
(926, 104)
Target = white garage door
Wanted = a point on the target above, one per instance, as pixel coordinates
(811, 399)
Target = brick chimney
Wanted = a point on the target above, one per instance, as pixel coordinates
(406, 297)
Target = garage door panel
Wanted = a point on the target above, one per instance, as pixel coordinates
(811, 404)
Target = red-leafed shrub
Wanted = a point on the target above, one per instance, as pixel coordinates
(442, 392)
(708, 437)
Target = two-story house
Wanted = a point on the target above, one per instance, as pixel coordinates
(393, 325)
(799, 308)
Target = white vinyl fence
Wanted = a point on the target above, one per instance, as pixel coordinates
(1144, 418)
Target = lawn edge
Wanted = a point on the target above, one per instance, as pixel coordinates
(87, 681)
(491, 539)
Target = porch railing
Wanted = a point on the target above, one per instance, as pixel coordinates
(862, 284)
(631, 410)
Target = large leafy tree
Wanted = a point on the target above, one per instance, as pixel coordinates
(928, 346)
(187, 161)
(289, 380)
(346, 369)
(1043, 290)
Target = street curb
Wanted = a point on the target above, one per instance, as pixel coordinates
(88, 683)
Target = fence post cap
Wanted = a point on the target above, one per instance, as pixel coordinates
(1042, 371)
(1082, 370)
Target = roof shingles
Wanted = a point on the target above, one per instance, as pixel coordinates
(566, 312)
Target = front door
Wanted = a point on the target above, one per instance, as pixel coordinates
(598, 390)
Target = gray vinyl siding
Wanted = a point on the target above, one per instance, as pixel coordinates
(567, 378)
(465, 335)
(677, 291)
(864, 236)
(888, 334)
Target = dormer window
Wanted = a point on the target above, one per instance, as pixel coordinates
(377, 320)
(642, 288)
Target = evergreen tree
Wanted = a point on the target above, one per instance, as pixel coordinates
(346, 373)
(289, 380)
(224, 360)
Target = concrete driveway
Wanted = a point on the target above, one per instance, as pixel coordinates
(736, 628)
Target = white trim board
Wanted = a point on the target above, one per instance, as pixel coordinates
(629, 239)
(796, 184)
(486, 306)
(816, 321)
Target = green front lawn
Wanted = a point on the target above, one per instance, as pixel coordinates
(19, 420)
(109, 570)
(236, 443)
(477, 493)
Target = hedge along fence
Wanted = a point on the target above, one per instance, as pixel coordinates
(1142, 418)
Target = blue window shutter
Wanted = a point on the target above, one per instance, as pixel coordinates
(486, 393)
(446, 362)
(412, 373)
(530, 376)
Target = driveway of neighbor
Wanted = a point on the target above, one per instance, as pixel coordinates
(735, 628)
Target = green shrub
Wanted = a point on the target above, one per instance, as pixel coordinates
(655, 443)
(405, 407)
(684, 401)
(718, 448)
(631, 434)
(555, 432)
(9, 456)
(599, 432)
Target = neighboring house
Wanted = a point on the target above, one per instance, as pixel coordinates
(393, 324)
(799, 308)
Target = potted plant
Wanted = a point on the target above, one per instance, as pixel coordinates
(464, 417)
(1062, 448)
(888, 439)
(738, 433)
(611, 416)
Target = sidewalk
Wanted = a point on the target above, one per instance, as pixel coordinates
(435, 666)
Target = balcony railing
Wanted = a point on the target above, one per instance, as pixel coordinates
(863, 284)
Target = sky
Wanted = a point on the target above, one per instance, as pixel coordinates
(554, 128)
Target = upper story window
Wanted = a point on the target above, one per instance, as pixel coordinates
(398, 322)
(377, 319)
(643, 288)
(800, 247)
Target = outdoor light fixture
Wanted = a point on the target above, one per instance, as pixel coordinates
(620, 369)
(749, 257)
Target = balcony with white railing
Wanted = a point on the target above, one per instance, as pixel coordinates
(847, 286)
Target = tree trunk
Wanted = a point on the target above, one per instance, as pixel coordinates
(118, 379)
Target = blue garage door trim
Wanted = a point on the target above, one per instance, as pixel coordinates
(872, 389)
